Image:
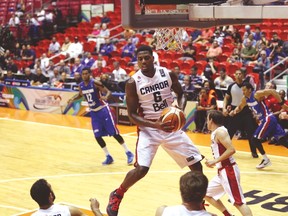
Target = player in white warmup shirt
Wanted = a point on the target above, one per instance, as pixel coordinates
(43, 194)
(193, 187)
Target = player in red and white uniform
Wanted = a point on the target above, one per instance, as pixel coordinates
(228, 178)
(148, 92)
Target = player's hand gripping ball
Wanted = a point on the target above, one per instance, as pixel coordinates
(175, 115)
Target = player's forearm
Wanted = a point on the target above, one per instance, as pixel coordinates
(76, 97)
(140, 121)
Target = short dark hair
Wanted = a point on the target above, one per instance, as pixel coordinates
(243, 70)
(194, 68)
(40, 192)
(216, 116)
(87, 68)
(144, 48)
(193, 186)
(248, 85)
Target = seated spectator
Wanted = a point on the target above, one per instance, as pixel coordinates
(36, 65)
(88, 61)
(14, 21)
(75, 49)
(65, 45)
(235, 56)
(105, 19)
(29, 75)
(62, 67)
(129, 49)
(40, 78)
(251, 39)
(107, 48)
(210, 69)
(11, 65)
(77, 67)
(44, 62)
(128, 33)
(223, 81)
(189, 52)
(180, 75)
(248, 53)
(29, 54)
(196, 36)
(214, 51)
(8, 76)
(257, 34)
(205, 103)
(135, 39)
(277, 55)
(54, 47)
(275, 41)
(97, 72)
(206, 36)
(119, 73)
(187, 85)
(135, 69)
(261, 65)
(101, 59)
(209, 85)
(247, 32)
(218, 37)
(55, 77)
(95, 32)
(78, 78)
(103, 35)
(196, 80)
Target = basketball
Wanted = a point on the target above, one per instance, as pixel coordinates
(175, 115)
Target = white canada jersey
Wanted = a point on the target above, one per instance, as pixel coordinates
(218, 149)
(180, 210)
(154, 93)
(58, 210)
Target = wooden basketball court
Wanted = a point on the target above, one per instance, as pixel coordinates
(62, 150)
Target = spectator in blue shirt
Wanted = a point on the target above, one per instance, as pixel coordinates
(88, 61)
(128, 49)
(107, 48)
(196, 80)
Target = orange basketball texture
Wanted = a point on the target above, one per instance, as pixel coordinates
(175, 115)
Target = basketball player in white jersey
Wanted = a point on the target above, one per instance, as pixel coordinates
(193, 187)
(228, 178)
(43, 194)
(148, 92)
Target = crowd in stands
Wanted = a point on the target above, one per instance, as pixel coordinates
(210, 56)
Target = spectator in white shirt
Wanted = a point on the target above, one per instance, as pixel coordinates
(223, 81)
(14, 21)
(119, 73)
(54, 47)
(99, 59)
(75, 49)
(104, 34)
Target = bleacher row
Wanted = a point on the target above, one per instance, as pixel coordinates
(168, 59)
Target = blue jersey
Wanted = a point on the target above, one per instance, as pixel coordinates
(92, 94)
(259, 109)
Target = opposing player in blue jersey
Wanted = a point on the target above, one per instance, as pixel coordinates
(267, 122)
(96, 94)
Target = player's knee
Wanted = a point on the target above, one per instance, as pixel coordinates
(141, 171)
(100, 141)
(119, 138)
